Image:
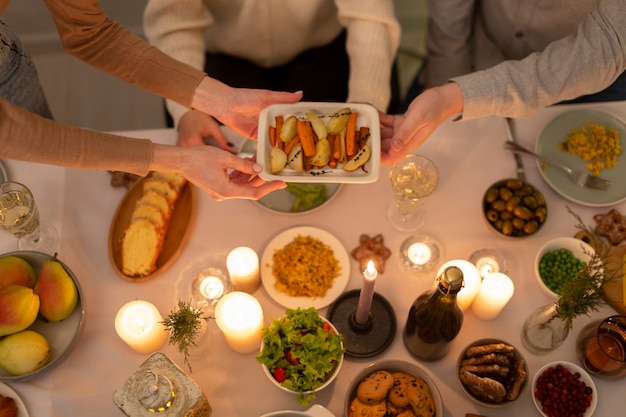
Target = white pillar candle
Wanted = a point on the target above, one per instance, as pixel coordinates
(471, 281)
(240, 317)
(419, 253)
(138, 323)
(367, 294)
(495, 292)
(243, 268)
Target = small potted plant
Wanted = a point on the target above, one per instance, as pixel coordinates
(185, 324)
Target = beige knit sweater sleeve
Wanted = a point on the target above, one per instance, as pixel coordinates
(186, 29)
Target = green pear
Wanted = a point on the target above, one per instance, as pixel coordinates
(16, 271)
(19, 306)
(24, 352)
(57, 291)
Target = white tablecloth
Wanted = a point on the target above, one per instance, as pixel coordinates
(469, 156)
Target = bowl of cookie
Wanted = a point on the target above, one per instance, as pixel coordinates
(392, 387)
(492, 372)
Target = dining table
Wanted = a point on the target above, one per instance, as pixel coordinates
(469, 156)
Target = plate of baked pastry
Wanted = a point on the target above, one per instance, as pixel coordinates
(150, 225)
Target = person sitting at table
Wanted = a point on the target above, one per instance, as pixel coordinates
(87, 33)
(466, 36)
(581, 63)
(331, 50)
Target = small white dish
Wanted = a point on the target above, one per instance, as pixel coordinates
(573, 368)
(279, 242)
(580, 250)
(7, 391)
(315, 411)
(367, 117)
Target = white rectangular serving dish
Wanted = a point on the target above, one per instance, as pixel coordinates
(367, 116)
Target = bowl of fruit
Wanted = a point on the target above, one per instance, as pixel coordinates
(41, 313)
(301, 353)
(562, 389)
(514, 209)
(559, 260)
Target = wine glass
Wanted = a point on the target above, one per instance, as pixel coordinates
(413, 179)
(19, 216)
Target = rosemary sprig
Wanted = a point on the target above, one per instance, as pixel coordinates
(583, 293)
(184, 325)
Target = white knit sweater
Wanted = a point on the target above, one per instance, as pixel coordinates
(272, 32)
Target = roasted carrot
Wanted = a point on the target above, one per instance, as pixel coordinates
(336, 153)
(350, 140)
(289, 146)
(364, 133)
(306, 137)
(279, 124)
(272, 135)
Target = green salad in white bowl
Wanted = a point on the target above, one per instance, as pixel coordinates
(301, 353)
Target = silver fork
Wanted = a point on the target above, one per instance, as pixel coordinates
(581, 178)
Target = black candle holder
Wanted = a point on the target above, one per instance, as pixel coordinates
(368, 339)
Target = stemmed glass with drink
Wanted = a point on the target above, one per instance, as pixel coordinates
(19, 216)
(601, 347)
(413, 180)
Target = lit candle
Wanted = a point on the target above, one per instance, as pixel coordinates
(211, 287)
(471, 281)
(487, 265)
(138, 323)
(419, 253)
(367, 293)
(240, 317)
(488, 261)
(495, 292)
(243, 268)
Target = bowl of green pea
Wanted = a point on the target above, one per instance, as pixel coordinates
(559, 260)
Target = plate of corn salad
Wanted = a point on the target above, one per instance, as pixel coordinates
(590, 140)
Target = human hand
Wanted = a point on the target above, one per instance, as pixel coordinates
(194, 127)
(237, 108)
(401, 134)
(219, 173)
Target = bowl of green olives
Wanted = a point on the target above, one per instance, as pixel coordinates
(560, 260)
(514, 208)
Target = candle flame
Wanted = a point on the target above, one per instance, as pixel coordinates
(370, 271)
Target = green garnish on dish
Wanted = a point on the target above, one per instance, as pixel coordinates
(308, 196)
(301, 351)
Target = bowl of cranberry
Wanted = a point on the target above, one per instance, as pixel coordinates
(564, 389)
(301, 353)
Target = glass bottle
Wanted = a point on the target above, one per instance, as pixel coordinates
(435, 318)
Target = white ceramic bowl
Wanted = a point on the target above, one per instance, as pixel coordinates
(573, 368)
(330, 379)
(315, 411)
(580, 250)
(61, 335)
(517, 356)
(392, 365)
